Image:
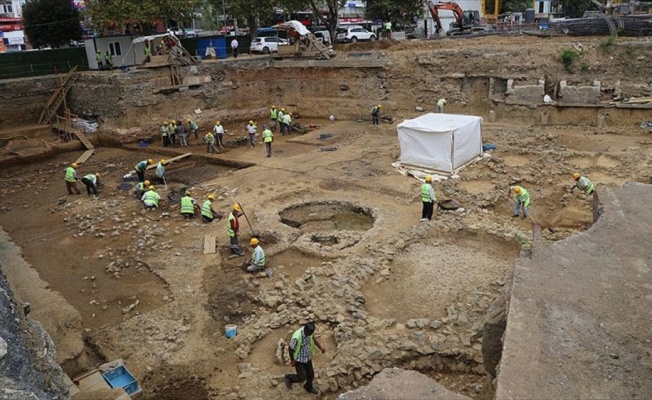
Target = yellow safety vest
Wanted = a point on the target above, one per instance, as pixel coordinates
(273, 113)
(299, 338)
(267, 136)
(206, 209)
(230, 230)
(187, 206)
(70, 174)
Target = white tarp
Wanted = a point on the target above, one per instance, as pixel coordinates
(296, 25)
(440, 142)
(150, 38)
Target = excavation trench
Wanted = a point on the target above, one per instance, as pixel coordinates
(327, 216)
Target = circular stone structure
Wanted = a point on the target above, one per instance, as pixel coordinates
(321, 216)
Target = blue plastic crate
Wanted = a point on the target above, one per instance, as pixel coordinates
(120, 377)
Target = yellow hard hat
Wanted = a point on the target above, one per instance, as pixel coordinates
(380, 106)
(290, 114)
(217, 122)
(174, 121)
(273, 106)
(97, 174)
(150, 161)
(209, 133)
(211, 197)
(253, 242)
(237, 207)
(576, 176)
(152, 188)
(428, 178)
(165, 122)
(74, 165)
(189, 120)
(187, 193)
(517, 189)
(147, 183)
(282, 109)
(251, 122)
(162, 161)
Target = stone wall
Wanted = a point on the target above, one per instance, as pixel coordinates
(23, 100)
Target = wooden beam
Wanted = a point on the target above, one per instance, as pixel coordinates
(209, 244)
(169, 160)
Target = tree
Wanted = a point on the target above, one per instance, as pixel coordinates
(326, 11)
(51, 22)
(404, 12)
(107, 12)
(250, 13)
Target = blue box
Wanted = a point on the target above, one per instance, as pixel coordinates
(120, 377)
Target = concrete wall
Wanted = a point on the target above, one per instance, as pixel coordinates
(579, 94)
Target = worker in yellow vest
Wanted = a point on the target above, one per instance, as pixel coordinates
(522, 201)
(188, 206)
(428, 199)
(287, 124)
(233, 228)
(92, 182)
(582, 183)
(279, 118)
(209, 139)
(440, 106)
(302, 348)
(207, 212)
(165, 134)
(268, 137)
(151, 198)
(71, 178)
(273, 116)
(141, 167)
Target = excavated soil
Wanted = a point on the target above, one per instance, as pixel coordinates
(366, 298)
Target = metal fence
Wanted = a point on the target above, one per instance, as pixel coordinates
(41, 62)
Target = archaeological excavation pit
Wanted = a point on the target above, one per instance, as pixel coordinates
(460, 269)
(316, 217)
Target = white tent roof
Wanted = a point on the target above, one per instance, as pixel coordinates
(150, 38)
(296, 25)
(440, 142)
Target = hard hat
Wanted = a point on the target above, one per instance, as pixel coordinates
(576, 176)
(165, 123)
(74, 165)
(282, 109)
(251, 122)
(174, 121)
(290, 114)
(254, 242)
(187, 193)
(380, 106)
(189, 120)
(428, 178)
(152, 188)
(147, 183)
(162, 161)
(97, 174)
(517, 189)
(209, 133)
(237, 207)
(211, 197)
(273, 106)
(217, 122)
(150, 161)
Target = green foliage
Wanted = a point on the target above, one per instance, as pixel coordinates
(576, 8)
(568, 57)
(399, 11)
(107, 12)
(51, 22)
(607, 44)
(585, 67)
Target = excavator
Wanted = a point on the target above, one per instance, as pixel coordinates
(465, 21)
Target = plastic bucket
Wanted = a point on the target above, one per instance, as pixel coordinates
(231, 331)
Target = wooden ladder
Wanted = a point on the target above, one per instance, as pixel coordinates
(82, 138)
(184, 58)
(321, 48)
(58, 97)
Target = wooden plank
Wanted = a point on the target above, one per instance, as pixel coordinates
(82, 159)
(634, 100)
(169, 160)
(209, 244)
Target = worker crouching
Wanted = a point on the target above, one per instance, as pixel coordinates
(257, 261)
(151, 198)
(140, 188)
(188, 206)
(207, 212)
(583, 183)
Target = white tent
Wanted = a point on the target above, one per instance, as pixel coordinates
(440, 142)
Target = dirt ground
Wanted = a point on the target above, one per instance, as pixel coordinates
(354, 256)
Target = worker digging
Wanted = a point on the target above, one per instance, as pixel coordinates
(151, 198)
(140, 188)
(257, 261)
(521, 202)
(207, 212)
(188, 206)
(582, 183)
(375, 114)
(91, 181)
(141, 167)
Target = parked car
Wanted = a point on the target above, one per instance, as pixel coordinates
(266, 45)
(323, 36)
(354, 34)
